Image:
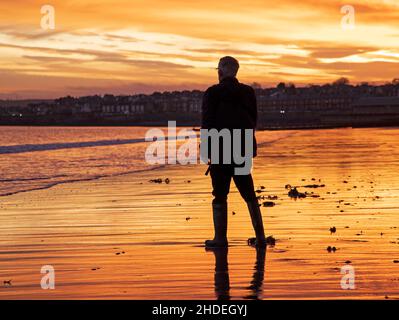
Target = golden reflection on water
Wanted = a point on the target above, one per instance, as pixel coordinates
(126, 238)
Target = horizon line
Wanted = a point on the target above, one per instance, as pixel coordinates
(299, 85)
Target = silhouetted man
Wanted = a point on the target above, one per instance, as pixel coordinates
(231, 105)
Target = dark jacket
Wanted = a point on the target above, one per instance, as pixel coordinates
(232, 105)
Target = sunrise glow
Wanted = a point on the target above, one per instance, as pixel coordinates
(127, 47)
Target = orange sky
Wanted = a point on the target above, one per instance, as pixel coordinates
(132, 46)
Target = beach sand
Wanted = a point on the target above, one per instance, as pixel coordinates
(127, 238)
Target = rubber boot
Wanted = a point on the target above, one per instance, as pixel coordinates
(257, 223)
(220, 225)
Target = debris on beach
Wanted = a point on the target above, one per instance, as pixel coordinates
(270, 240)
(331, 249)
(7, 283)
(395, 261)
(159, 180)
(233, 213)
(333, 230)
(314, 186)
(269, 204)
(269, 197)
(119, 253)
(188, 218)
(188, 181)
(294, 193)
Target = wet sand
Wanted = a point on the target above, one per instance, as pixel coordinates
(127, 238)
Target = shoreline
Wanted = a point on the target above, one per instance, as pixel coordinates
(53, 184)
(195, 126)
(81, 180)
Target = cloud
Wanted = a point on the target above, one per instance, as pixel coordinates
(166, 44)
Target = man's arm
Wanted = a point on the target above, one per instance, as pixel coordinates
(253, 108)
(208, 110)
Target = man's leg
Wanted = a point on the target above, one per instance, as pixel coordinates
(221, 178)
(245, 186)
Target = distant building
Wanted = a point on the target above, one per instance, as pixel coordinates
(373, 111)
(123, 109)
(284, 106)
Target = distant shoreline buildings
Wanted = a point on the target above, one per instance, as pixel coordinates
(282, 107)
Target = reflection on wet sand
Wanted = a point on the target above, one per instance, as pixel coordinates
(256, 286)
(124, 237)
(222, 277)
